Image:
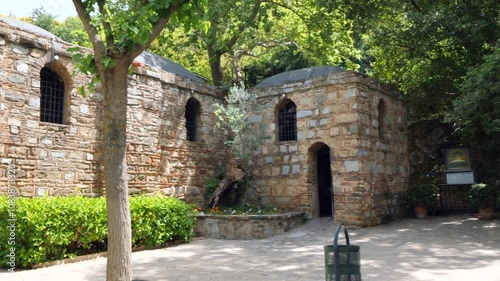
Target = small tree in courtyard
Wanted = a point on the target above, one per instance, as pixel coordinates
(243, 138)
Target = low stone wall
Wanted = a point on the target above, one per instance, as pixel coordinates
(246, 226)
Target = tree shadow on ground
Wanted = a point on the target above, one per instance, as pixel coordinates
(437, 248)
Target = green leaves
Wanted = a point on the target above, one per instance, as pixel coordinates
(54, 228)
(108, 62)
(421, 195)
(483, 196)
(126, 24)
(244, 137)
(85, 63)
(156, 220)
(477, 109)
(47, 228)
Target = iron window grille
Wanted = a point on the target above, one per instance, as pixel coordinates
(382, 113)
(52, 97)
(191, 116)
(287, 122)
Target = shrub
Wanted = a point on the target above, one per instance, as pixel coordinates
(54, 228)
(421, 195)
(483, 196)
(156, 220)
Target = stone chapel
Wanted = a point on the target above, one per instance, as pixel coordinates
(336, 140)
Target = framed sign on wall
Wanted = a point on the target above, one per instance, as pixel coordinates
(457, 159)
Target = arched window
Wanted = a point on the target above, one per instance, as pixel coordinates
(287, 121)
(192, 117)
(52, 96)
(382, 119)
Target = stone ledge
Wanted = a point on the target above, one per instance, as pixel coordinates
(246, 226)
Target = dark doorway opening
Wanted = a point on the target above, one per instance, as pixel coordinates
(324, 180)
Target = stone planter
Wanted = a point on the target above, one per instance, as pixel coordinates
(246, 226)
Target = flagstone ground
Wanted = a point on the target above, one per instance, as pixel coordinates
(438, 248)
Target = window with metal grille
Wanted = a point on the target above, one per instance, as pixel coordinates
(192, 112)
(382, 116)
(287, 121)
(52, 96)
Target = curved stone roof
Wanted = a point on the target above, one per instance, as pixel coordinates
(168, 66)
(299, 75)
(146, 57)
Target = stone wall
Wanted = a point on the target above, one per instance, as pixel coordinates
(160, 157)
(339, 111)
(66, 159)
(358, 122)
(55, 157)
(246, 226)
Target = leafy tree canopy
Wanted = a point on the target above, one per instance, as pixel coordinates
(477, 109)
(436, 51)
(70, 30)
(44, 19)
(237, 34)
(425, 47)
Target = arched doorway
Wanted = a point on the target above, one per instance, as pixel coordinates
(324, 181)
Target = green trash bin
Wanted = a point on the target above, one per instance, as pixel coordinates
(342, 262)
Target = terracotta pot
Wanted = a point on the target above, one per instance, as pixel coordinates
(486, 213)
(420, 212)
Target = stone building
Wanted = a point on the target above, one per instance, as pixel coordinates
(336, 140)
(337, 144)
(51, 132)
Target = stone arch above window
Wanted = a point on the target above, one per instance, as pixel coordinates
(382, 119)
(192, 116)
(287, 121)
(53, 100)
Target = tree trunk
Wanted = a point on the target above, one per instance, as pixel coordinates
(119, 261)
(215, 66)
(233, 174)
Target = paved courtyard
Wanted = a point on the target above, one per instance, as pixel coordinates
(438, 248)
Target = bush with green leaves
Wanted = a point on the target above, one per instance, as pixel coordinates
(422, 195)
(54, 228)
(156, 220)
(483, 196)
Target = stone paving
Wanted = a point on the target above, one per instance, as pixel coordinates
(438, 248)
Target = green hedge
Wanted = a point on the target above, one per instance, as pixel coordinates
(54, 228)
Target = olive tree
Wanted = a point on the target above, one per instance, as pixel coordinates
(243, 137)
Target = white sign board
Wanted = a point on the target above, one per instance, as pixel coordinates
(460, 178)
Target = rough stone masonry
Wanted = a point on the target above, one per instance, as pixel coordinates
(349, 138)
(66, 159)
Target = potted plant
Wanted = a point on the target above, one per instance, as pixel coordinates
(421, 197)
(485, 198)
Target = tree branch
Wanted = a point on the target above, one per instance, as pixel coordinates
(287, 8)
(108, 32)
(295, 12)
(94, 36)
(414, 4)
(238, 54)
(268, 45)
(156, 30)
(244, 25)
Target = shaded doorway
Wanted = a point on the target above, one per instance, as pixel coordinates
(324, 181)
